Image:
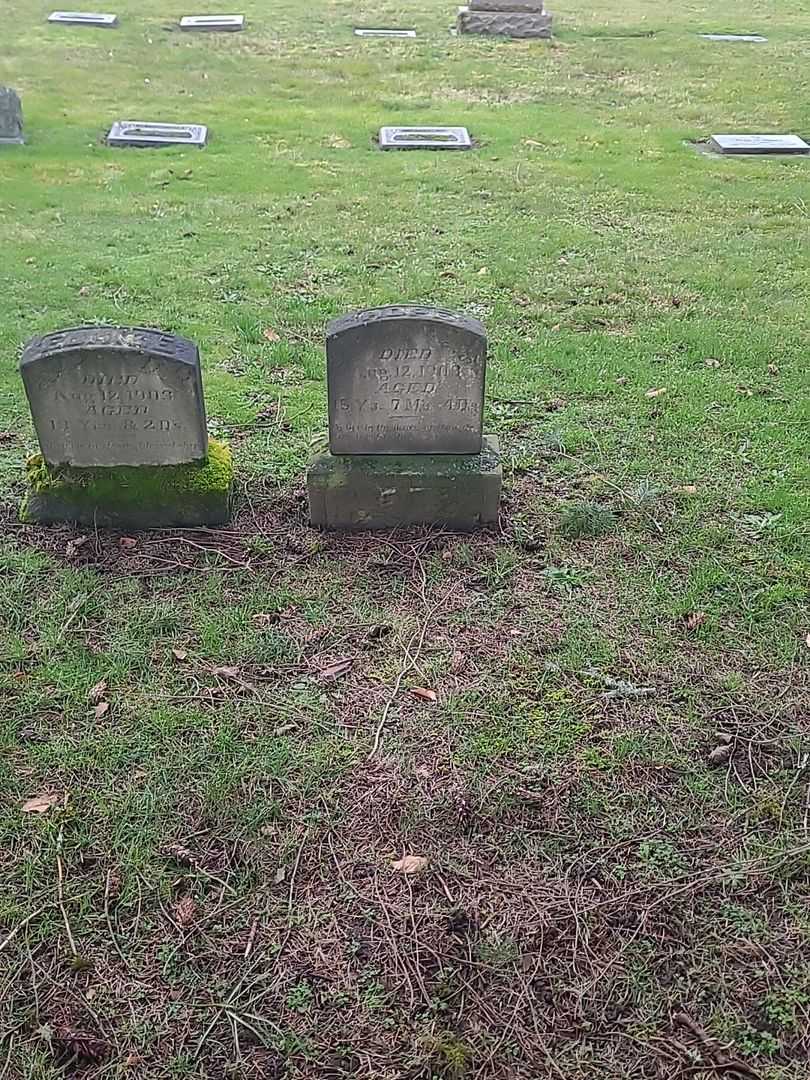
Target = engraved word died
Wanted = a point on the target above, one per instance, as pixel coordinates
(406, 380)
(106, 396)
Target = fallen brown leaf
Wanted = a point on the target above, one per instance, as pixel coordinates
(334, 671)
(656, 392)
(186, 912)
(807, 641)
(270, 335)
(97, 692)
(180, 655)
(720, 755)
(127, 543)
(40, 804)
(687, 489)
(410, 864)
(226, 672)
(74, 545)
(101, 709)
(694, 619)
(422, 694)
(285, 729)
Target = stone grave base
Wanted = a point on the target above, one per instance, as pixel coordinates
(513, 24)
(380, 491)
(132, 497)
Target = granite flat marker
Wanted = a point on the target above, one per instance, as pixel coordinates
(425, 138)
(362, 31)
(83, 18)
(758, 144)
(733, 37)
(144, 134)
(213, 22)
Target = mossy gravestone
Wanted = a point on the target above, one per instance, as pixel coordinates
(120, 418)
(11, 122)
(406, 397)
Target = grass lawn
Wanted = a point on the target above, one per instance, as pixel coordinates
(611, 787)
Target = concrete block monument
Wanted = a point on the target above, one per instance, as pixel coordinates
(505, 18)
(11, 121)
(406, 443)
(120, 418)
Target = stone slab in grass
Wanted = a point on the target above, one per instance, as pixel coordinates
(458, 491)
(11, 119)
(137, 497)
(382, 31)
(510, 24)
(757, 144)
(83, 18)
(756, 38)
(405, 379)
(144, 134)
(226, 23)
(424, 138)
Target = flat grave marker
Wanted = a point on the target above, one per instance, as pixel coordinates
(83, 18)
(758, 144)
(757, 38)
(230, 23)
(424, 138)
(388, 32)
(406, 398)
(145, 134)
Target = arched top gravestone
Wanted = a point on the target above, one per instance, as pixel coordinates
(11, 122)
(108, 396)
(406, 380)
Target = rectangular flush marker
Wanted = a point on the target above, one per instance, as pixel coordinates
(733, 37)
(360, 31)
(425, 138)
(141, 133)
(212, 22)
(758, 144)
(83, 18)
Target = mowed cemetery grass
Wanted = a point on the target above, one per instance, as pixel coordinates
(603, 775)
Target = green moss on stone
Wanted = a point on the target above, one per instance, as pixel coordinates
(143, 496)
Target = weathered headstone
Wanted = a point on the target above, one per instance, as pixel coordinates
(83, 18)
(213, 22)
(120, 418)
(533, 7)
(388, 32)
(758, 144)
(141, 133)
(406, 395)
(424, 138)
(11, 122)
(513, 21)
(756, 38)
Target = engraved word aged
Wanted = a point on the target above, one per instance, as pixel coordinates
(114, 396)
(406, 380)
